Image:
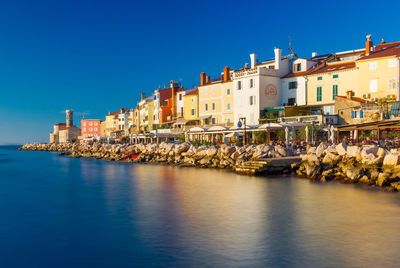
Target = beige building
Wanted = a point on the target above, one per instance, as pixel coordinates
(65, 132)
(215, 99)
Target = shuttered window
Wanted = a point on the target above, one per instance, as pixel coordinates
(334, 91)
(319, 93)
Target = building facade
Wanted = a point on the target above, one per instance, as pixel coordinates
(90, 128)
(215, 99)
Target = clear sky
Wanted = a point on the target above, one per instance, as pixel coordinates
(97, 56)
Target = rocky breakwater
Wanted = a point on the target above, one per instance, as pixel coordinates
(185, 154)
(368, 164)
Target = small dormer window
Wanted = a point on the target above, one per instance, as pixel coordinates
(297, 67)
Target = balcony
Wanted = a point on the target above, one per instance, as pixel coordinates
(258, 71)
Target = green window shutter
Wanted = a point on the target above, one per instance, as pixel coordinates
(319, 78)
(334, 91)
(319, 93)
(335, 76)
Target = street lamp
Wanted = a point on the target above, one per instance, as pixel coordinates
(312, 133)
(242, 120)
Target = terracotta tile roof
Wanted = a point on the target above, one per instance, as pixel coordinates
(384, 50)
(356, 99)
(334, 68)
(296, 74)
(60, 124)
(117, 112)
(65, 128)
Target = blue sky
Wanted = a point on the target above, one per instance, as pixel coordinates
(97, 56)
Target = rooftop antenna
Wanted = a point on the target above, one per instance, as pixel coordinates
(290, 45)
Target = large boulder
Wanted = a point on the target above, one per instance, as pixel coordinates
(341, 148)
(391, 159)
(354, 173)
(331, 159)
(353, 151)
(320, 151)
(371, 159)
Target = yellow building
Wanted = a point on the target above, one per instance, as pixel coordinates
(191, 104)
(378, 72)
(112, 122)
(324, 84)
(216, 99)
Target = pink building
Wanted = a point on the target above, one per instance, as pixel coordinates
(90, 128)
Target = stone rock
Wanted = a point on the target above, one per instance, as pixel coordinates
(354, 173)
(371, 159)
(331, 159)
(341, 148)
(353, 151)
(391, 159)
(320, 151)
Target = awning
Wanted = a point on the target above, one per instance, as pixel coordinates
(234, 134)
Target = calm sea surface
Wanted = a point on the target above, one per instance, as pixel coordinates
(63, 212)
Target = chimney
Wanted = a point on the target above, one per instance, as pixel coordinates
(246, 65)
(314, 54)
(383, 41)
(207, 79)
(227, 75)
(349, 94)
(253, 60)
(142, 95)
(202, 78)
(69, 118)
(278, 57)
(368, 45)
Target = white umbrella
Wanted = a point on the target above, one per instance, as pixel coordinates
(333, 135)
(287, 135)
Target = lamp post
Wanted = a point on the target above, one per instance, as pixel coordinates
(242, 120)
(312, 133)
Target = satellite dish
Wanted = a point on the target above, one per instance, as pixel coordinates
(239, 124)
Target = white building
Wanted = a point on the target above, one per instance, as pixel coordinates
(293, 85)
(258, 87)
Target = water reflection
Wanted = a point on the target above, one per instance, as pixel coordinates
(120, 214)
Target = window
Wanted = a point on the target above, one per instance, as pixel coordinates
(251, 83)
(206, 107)
(373, 85)
(392, 63)
(95, 129)
(357, 114)
(192, 99)
(335, 76)
(297, 67)
(291, 101)
(192, 112)
(334, 91)
(392, 84)
(252, 100)
(84, 129)
(213, 105)
(228, 120)
(90, 124)
(84, 124)
(372, 65)
(239, 85)
(180, 97)
(213, 120)
(228, 92)
(95, 124)
(228, 106)
(319, 93)
(90, 129)
(319, 78)
(293, 85)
